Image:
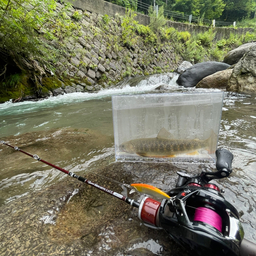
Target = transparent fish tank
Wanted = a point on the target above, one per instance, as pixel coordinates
(175, 127)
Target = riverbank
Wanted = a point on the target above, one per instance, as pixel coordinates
(94, 52)
(90, 51)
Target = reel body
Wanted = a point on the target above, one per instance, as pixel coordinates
(197, 216)
(202, 221)
(199, 219)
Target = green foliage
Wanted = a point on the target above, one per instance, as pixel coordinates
(173, 36)
(221, 43)
(105, 19)
(249, 37)
(194, 51)
(128, 72)
(209, 8)
(77, 15)
(216, 53)
(12, 80)
(64, 27)
(129, 25)
(234, 40)
(238, 9)
(171, 33)
(21, 23)
(147, 34)
(157, 21)
(247, 23)
(14, 87)
(184, 36)
(143, 30)
(206, 38)
(158, 69)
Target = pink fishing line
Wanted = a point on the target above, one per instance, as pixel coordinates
(208, 216)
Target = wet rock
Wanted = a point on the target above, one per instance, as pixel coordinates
(80, 74)
(136, 80)
(114, 56)
(101, 68)
(58, 91)
(216, 80)
(112, 65)
(86, 60)
(183, 66)
(194, 74)
(235, 55)
(243, 77)
(89, 88)
(79, 88)
(75, 62)
(29, 97)
(69, 89)
(91, 73)
(95, 60)
(90, 80)
(162, 87)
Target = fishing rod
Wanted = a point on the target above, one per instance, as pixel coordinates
(130, 201)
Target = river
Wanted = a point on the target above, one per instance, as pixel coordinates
(56, 130)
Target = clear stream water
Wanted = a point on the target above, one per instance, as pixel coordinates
(49, 117)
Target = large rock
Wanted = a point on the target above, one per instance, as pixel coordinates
(183, 66)
(235, 55)
(216, 80)
(196, 73)
(69, 89)
(58, 91)
(243, 77)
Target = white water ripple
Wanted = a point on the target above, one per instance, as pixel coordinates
(9, 108)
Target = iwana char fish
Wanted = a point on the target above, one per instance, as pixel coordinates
(164, 146)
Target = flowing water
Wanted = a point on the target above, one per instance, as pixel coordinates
(58, 128)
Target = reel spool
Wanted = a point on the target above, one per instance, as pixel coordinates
(149, 211)
(208, 216)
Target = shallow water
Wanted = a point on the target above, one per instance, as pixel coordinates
(75, 132)
(43, 125)
(237, 133)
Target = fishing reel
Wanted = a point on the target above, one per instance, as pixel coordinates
(196, 215)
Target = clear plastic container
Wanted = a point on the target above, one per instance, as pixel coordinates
(180, 127)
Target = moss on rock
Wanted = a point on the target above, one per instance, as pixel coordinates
(51, 83)
(16, 87)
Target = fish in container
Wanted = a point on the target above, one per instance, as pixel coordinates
(167, 127)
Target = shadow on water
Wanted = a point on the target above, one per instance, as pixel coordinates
(44, 212)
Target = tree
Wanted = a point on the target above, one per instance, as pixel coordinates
(210, 9)
(237, 10)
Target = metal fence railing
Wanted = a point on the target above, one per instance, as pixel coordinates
(177, 16)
